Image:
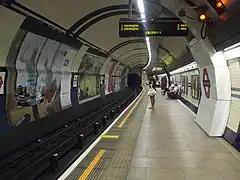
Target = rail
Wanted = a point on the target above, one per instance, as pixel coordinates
(41, 158)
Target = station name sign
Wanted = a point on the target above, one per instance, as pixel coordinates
(151, 28)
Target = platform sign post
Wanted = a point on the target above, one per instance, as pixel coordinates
(206, 83)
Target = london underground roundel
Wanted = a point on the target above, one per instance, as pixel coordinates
(206, 83)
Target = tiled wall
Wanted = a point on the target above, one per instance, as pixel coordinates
(234, 115)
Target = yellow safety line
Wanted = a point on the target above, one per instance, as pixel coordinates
(129, 113)
(92, 165)
(110, 136)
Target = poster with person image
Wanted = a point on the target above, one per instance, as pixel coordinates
(26, 65)
(109, 65)
(91, 64)
(88, 87)
(111, 78)
(25, 94)
(89, 77)
(49, 82)
(41, 65)
(119, 70)
(55, 67)
(117, 79)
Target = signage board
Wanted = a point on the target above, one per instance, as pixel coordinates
(152, 28)
(206, 83)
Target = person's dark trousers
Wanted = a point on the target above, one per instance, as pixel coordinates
(172, 95)
(165, 90)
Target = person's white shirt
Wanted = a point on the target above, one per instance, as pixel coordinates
(171, 87)
(175, 90)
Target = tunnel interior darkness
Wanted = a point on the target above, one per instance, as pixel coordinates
(134, 80)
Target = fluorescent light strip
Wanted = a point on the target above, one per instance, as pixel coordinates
(143, 17)
(141, 6)
(149, 52)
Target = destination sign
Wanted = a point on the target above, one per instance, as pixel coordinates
(160, 27)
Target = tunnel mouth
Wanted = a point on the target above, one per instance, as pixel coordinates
(134, 80)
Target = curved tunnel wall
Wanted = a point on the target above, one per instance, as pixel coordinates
(44, 71)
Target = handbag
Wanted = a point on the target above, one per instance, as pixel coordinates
(151, 91)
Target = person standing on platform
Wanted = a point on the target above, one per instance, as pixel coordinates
(164, 84)
(152, 92)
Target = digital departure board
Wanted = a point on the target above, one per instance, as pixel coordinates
(159, 27)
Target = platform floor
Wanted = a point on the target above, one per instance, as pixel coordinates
(160, 144)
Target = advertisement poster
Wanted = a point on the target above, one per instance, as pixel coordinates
(66, 91)
(117, 80)
(110, 78)
(91, 64)
(66, 78)
(26, 65)
(48, 81)
(2, 78)
(26, 97)
(107, 77)
(124, 77)
(117, 83)
(89, 77)
(119, 70)
(42, 68)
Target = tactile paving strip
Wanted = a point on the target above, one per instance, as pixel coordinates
(106, 145)
(93, 175)
(97, 170)
(115, 174)
(116, 160)
(75, 174)
(120, 163)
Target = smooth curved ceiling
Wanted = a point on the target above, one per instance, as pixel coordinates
(104, 32)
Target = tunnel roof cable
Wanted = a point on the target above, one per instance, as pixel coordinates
(130, 9)
(204, 30)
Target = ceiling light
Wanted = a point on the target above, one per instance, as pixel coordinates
(202, 17)
(219, 4)
(141, 6)
(143, 16)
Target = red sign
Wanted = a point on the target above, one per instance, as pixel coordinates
(206, 83)
(1, 81)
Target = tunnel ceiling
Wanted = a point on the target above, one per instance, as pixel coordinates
(97, 21)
